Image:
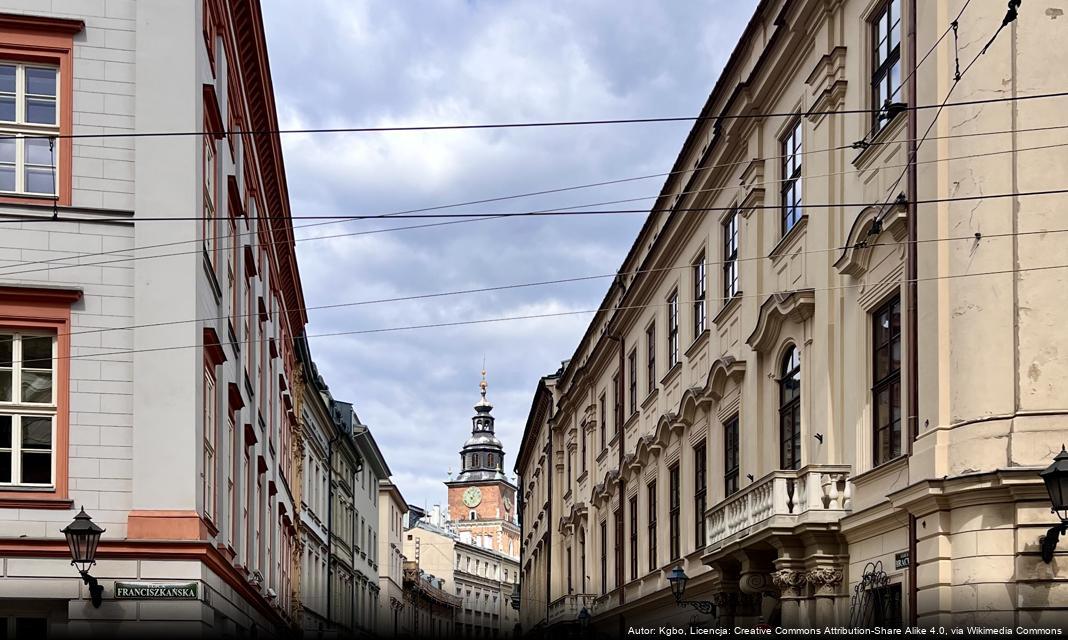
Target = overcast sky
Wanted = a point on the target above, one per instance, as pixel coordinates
(345, 63)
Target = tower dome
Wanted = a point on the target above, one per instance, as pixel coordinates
(482, 456)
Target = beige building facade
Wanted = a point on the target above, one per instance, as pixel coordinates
(826, 378)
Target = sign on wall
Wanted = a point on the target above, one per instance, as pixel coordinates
(156, 590)
(901, 560)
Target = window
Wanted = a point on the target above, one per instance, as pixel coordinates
(28, 409)
(582, 558)
(210, 420)
(617, 396)
(604, 422)
(650, 358)
(653, 563)
(618, 517)
(570, 568)
(673, 329)
(886, 381)
(29, 96)
(604, 558)
(585, 453)
(634, 538)
(699, 296)
(632, 367)
(211, 195)
(790, 411)
(730, 456)
(700, 490)
(791, 178)
(730, 256)
(886, 61)
(674, 504)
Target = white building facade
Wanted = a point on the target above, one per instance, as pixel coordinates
(147, 315)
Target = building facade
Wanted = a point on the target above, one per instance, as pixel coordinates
(482, 501)
(822, 382)
(429, 611)
(482, 578)
(106, 265)
(391, 511)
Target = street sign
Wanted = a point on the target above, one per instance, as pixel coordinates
(156, 590)
(901, 560)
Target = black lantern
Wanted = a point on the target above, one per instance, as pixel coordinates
(584, 617)
(677, 579)
(83, 536)
(1056, 478)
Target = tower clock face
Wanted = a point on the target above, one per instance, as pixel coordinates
(473, 496)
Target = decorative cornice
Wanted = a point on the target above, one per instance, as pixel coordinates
(16, 22)
(795, 306)
(864, 234)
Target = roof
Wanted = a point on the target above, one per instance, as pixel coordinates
(387, 486)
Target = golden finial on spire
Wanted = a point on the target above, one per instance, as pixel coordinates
(483, 385)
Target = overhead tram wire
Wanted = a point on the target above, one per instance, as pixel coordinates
(1010, 16)
(58, 263)
(511, 125)
(558, 281)
(118, 351)
(500, 198)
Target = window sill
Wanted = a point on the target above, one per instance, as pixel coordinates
(650, 399)
(727, 309)
(602, 455)
(46, 499)
(887, 468)
(582, 476)
(884, 137)
(34, 199)
(672, 373)
(698, 342)
(787, 242)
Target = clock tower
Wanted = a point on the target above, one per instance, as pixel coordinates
(481, 499)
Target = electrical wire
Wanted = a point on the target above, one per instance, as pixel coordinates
(118, 351)
(558, 281)
(515, 125)
(67, 265)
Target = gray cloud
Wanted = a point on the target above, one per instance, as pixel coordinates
(377, 63)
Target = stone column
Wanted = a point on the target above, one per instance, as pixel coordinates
(790, 582)
(826, 582)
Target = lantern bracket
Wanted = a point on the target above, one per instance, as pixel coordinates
(1049, 541)
(96, 590)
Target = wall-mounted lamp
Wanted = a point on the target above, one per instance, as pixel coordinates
(83, 537)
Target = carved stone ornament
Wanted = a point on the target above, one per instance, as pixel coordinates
(789, 581)
(825, 579)
(754, 582)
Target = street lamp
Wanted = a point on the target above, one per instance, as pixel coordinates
(83, 536)
(677, 579)
(584, 617)
(1056, 478)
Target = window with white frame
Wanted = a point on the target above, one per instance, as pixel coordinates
(791, 178)
(886, 61)
(29, 122)
(27, 409)
(699, 290)
(210, 427)
(673, 329)
(730, 256)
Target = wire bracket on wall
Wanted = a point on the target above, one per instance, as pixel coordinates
(956, 53)
(55, 183)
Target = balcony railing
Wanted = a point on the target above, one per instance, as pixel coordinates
(566, 608)
(816, 493)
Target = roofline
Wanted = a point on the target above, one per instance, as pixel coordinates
(717, 89)
(377, 460)
(388, 486)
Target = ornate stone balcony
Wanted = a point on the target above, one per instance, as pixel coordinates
(779, 503)
(566, 608)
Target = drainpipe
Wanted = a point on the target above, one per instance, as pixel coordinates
(549, 515)
(912, 315)
(330, 526)
(622, 480)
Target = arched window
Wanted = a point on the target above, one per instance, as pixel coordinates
(790, 410)
(489, 461)
(474, 460)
